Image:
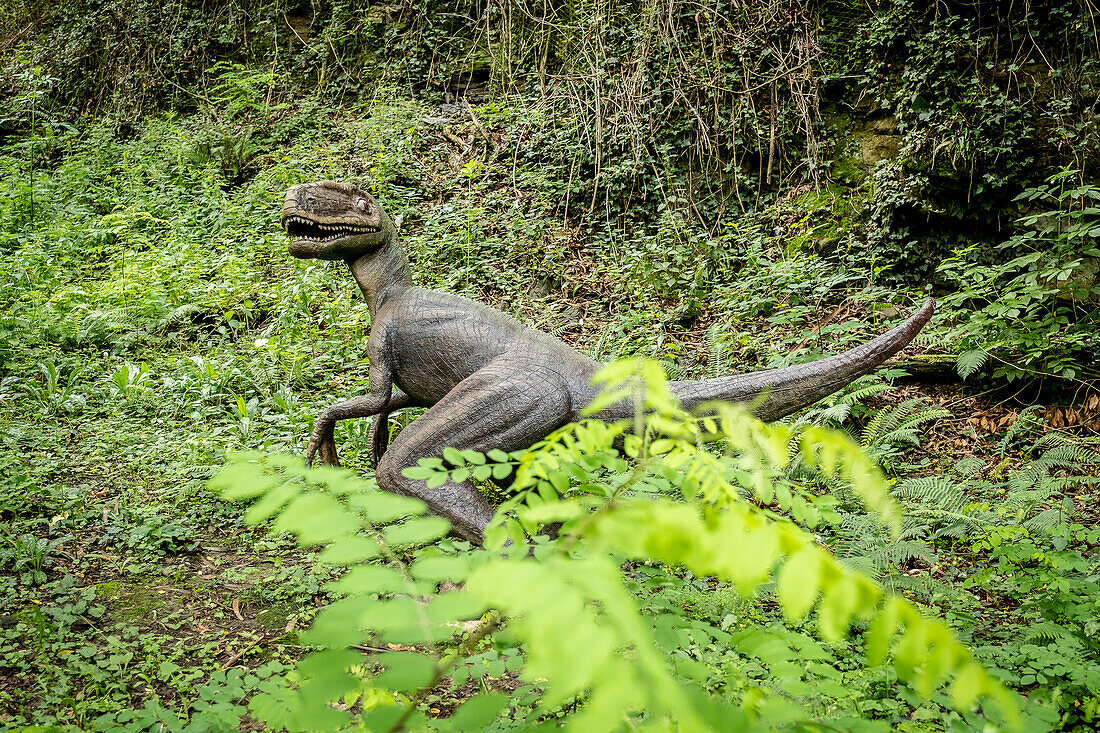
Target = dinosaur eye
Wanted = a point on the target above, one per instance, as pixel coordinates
(362, 205)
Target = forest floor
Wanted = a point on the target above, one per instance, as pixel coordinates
(154, 322)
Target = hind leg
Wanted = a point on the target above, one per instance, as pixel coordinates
(505, 406)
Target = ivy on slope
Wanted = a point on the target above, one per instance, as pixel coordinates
(684, 491)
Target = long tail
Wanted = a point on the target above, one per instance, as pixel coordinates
(791, 388)
(783, 391)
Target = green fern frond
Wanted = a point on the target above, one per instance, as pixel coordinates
(913, 529)
(882, 422)
(895, 553)
(899, 424)
(837, 413)
(971, 361)
(1045, 521)
(1043, 631)
(921, 584)
(862, 392)
(969, 466)
(718, 351)
(935, 492)
(1026, 423)
(675, 370)
(1067, 454)
(958, 522)
(956, 531)
(860, 564)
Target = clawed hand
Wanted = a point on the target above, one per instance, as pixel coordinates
(322, 443)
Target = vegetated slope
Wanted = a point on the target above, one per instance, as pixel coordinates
(152, 320)
(951, 144)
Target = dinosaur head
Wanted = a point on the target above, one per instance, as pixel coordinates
(334, 221)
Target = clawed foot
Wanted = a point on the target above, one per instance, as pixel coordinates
(322, 443)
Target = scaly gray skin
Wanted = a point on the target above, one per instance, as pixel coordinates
(489, 381)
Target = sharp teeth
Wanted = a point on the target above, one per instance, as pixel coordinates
(329, 232)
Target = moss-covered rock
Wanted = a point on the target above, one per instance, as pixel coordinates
(276, 617)
(132, 602)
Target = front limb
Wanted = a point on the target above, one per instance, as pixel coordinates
(377, 399)
(322, 440)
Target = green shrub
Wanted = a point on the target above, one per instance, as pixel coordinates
(1037, 311)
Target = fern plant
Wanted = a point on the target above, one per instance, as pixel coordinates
(673, 495)
(1029, 501)
(891, 428)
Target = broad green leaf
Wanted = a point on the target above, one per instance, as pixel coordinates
(441, 567)
(556, 511)
(349, 551)
(967, 686)
(381, 718)
(417, 531)
(239, 481)
(839, 603)
(476, 713)
(382, 507)
(495, 535)
(798, 582)
(337, 625)
(419, 473)
(783, 495)
(332, 478)
(389, 615)
(405, 671)
(560, 481)
(473, 456)
(370, 579)
(271, 502)
(317, 518)
(454, 606)
(329, 668)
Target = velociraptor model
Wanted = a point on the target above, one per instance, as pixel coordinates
(489, 381)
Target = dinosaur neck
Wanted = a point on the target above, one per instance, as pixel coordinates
(380, 274)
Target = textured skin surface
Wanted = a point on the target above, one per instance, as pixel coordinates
(488, 380)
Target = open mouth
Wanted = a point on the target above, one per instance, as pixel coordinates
(302, 228)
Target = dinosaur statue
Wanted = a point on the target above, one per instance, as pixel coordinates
(489, 381)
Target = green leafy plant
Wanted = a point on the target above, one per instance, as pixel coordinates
(128, 376)
(673, 496)
(1036, 311)
(240, 90)
(27, 556)
(57, 390)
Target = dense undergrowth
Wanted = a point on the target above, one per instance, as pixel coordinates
(151, 322)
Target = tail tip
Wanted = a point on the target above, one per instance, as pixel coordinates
(926, 310)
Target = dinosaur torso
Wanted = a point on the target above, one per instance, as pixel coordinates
(436, 340)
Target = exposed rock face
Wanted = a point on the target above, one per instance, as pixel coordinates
(1082, 284)
(862, 143)
(879, 141)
